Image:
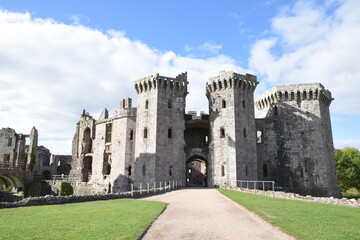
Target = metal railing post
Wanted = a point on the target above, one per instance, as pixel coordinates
(132, 190)
(148, 188)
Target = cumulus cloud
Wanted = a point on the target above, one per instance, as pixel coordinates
(307, 44)
(50, 71)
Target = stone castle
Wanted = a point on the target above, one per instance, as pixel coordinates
(291, 143)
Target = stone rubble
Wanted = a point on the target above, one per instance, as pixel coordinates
(293, 196)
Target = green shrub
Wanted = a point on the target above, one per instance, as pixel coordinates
(32, 161)
(66, 189)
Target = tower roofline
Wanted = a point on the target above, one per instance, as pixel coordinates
(294, 92)
(230, 79)
(157, 81)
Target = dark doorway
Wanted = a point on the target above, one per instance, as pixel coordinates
(196, 172)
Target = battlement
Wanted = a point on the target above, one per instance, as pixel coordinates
(294, 92)
(230, 79)
(193, 115)
(179, 83)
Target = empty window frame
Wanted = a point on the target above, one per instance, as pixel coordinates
(146, 104)
(222, 132)
(302, 136)
(169, 133)
(170, 171)
(169, 104)
(145, 132)
(259, 136)
(244, 132)
(131, 135)
(222, 170)
(108, 132)
(223, 103)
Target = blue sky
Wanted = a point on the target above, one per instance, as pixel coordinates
(58, 57)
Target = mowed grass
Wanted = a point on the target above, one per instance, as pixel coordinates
(303, 220)
(110, 219)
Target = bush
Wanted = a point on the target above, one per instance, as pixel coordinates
(66, 189)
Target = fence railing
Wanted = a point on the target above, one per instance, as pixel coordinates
(249, 186)
(12, 166)
(155, 187)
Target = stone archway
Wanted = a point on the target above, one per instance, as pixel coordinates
(196, 171)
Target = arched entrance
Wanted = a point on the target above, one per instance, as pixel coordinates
(196, 171)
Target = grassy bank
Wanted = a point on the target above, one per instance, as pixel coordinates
(111, 219)
(303, 220)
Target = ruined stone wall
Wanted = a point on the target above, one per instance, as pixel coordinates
(232, 124)
(8, 147)
(14, 152)
(298, 111)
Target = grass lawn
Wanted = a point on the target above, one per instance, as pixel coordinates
(110, 219)
(303, 220)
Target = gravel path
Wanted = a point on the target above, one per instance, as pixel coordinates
(204, 213)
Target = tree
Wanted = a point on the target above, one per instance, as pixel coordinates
(348, 168)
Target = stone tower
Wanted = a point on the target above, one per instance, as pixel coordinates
(232, 149)
(160, 125)
(295, 145)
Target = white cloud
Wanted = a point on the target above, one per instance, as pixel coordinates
(50, 71)
(207, 49)
(347, 143)
(308, 44)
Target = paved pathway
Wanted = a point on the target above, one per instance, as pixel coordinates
(204, 213)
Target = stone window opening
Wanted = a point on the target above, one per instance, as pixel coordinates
(169, 133)
(292, 96)
(169, 104)
(286, 96)
(222, 132)
(108, 132)
(107, 164)
(310, 94)
(222, 170)
(301, 172)
(131, 135)
(223, 103)
(304, 95)
(9, 142)
(129, 171)
(145, 132)
(6, 160)
(306, 166)
(170, 171)
(302, 136)
(246, 171)
(206, 139)
(276, 113)
(144, 170)
(259, 136)
(146, 104)
(244, 132)
(243, 104)
(265, 170)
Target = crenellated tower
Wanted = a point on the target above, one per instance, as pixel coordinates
(296, 117)
(160, 125)
(232, 149)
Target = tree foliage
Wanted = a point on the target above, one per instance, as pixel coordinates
(348, 168)
(66, 189)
